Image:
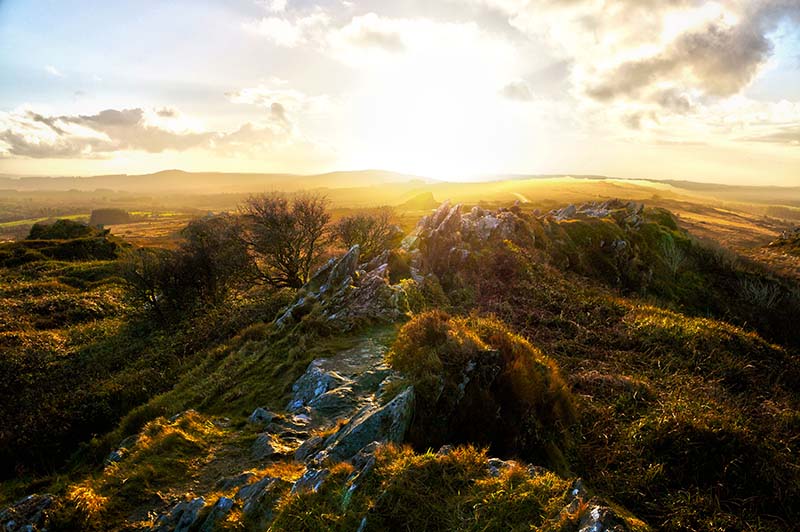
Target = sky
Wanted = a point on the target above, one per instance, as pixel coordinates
(666, 89)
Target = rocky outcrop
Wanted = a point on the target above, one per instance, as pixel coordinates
(626, 213)
(350, 392)
(343, 295)
(350, 386)
(388, 423)
(444, 241)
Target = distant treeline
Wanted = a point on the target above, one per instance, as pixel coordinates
(109, 217)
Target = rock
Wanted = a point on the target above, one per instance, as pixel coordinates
(218, 513)
(333, 278)
(263, 447)
(384, 424)
(335, 403)
(228, 483)
(594, 515)
(268, 445)
(343, 270)
(372, 379)
(181, 518)
(261, 416)
(222, 422)
(346, 297)
(565, 213)
(301, 420)
(627, 214)
(179, 415)
(259, 499)
(601, 518)
(496, 466)
(313, 383)
(27, 514)
(122, 449)
(363, 464)
(439, 240)
(311, 480)
(309, 447)
(444, 450)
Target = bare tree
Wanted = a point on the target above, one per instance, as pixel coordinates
(214, 257)
(209, 264)
(373, 232)
(286, 235)
(149, 273)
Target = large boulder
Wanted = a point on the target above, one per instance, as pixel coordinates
(387, 423)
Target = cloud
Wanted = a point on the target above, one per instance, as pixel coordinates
(290, 100)
(316, 28)
(372, 40)
(29, 134)
(290, 33)
(168, 112)
(718, 60)
(517, 90)
(674, 100)
(663, 69)
(277, 6)
(372, 31)
(53, 71)
(786, 135)
(631, 49)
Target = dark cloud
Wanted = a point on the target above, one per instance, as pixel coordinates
(717, 59)
(674, 100)
(112, 130)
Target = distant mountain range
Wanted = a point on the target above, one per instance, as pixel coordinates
(178, 181)
(206, 182)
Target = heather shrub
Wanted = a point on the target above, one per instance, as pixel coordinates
(478, 382)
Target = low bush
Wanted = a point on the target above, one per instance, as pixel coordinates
(61, 230)
(399, 265)
(477, 382)
(374, 232)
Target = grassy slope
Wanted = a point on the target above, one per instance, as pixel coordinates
(688, 421)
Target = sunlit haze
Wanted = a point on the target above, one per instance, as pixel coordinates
(685, 89)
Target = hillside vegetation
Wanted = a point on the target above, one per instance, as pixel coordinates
(596, 367)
